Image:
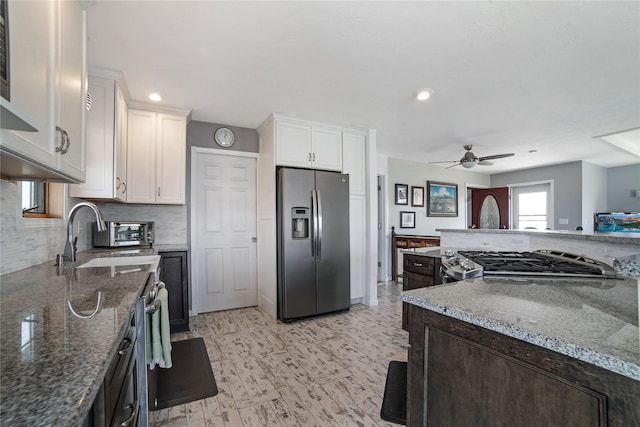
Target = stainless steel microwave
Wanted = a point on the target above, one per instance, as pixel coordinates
(119, 234)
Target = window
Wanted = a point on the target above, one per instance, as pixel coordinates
(532, 212)
(41, 199)
(532, 207)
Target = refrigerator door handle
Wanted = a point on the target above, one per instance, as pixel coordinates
(314, 237)
(319, 237)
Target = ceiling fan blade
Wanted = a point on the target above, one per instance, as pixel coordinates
(496, 156)
(447, 161)
(485, 163)
(457, 164)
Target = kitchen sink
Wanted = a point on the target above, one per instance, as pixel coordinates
(125, 264)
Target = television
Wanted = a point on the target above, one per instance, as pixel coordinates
(628, 222)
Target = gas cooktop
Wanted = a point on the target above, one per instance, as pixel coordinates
(463, 265)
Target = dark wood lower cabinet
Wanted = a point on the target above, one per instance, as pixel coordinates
(419, 271)
(463, 375)
(174, 274)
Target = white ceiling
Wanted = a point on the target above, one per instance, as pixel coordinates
(506, 76)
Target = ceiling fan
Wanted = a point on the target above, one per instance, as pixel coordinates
(469, 159)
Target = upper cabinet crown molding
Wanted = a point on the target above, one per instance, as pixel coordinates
(115, 75)
(138, 105)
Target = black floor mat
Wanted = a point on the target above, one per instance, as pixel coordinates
(394, 403)
(190, 378)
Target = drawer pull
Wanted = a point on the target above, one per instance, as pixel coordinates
(415, 264)
(126, 346)
(134, 412)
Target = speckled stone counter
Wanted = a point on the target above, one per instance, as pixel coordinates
(593, 321)
(604, 247)
(594, 236)
(52, 362)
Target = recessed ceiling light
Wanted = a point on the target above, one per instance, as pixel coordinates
(424, 94)
(155, 96)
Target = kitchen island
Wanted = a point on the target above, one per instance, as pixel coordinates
(53, 359)
(601, 246)
(524, 352)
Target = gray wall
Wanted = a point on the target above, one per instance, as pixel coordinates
(567, 196)
(594, 193)
(417, 174)
(621, 183)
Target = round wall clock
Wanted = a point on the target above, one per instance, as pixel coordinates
(224, 137)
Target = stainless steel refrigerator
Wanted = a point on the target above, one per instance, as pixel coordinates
(313, 242)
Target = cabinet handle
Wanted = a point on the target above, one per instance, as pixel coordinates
(124, 187)
(67, 142)
(415, 264)
(62, 142)
(314, 157)
(158, 191)
(134, 408)
(126, 346)
(118, 183)
(309, 156)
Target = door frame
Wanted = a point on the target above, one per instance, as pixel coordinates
(192, 177)
(467, 191)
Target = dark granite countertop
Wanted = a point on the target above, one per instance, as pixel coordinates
(595, 321)
(52, 363)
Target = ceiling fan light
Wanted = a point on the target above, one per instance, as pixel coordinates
(469, 163)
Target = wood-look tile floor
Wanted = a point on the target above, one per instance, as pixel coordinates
(324, 371)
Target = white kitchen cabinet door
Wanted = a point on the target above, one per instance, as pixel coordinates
(105, 143)
(48, 83)
(32, 78)
(100, 122)
(120, 134)
(326, 148)
(353, 161)
(72, 86)
(171, 159)
(293, 144)
(141, 157)
(358, 244)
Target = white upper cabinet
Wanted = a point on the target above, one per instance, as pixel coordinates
(326, 146)
(156, 159)
(308, 146)
(47, 44)
(353, 161)
(106, 143)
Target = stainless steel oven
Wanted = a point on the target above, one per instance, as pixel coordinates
(123, 234)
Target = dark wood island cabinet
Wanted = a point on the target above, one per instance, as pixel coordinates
(463, 374)
(419, 271)
(174, 274)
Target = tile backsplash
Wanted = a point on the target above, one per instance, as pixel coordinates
(25, 243)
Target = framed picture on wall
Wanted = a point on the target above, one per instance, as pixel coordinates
(417, 196)
(402, 194)
(442, 199)
(407, 220)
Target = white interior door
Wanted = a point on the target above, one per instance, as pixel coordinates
(223, 231)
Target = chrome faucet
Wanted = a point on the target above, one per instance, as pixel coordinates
(70, 247)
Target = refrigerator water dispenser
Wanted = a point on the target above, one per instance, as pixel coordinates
(300, 223)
